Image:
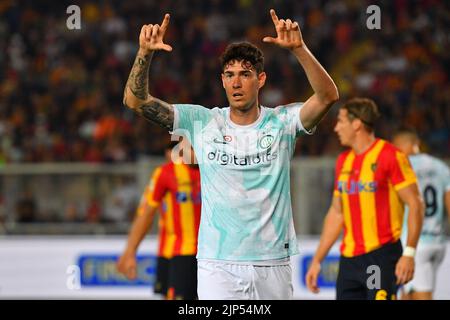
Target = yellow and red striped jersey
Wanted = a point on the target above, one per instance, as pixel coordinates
(175, 189)
(367, 185)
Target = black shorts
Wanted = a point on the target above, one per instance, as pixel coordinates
(369, 276)
(162, 276)
(182, 283)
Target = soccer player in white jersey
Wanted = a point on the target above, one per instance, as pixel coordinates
(434, 182)
(246, 233)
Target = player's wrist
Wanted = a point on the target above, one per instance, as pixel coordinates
(299, 49)
(130, 251)
(409, 252)
(144, 51)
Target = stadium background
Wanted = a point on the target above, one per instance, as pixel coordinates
(73, 160)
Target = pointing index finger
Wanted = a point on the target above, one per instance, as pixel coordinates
(165, 22)
(274, 16)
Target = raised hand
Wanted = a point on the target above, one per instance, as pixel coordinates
(151, 37)
(289, 35)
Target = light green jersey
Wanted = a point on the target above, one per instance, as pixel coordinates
(245, 184)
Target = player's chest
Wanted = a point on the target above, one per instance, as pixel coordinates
(363, 179)
(244, 142)
(188, 180)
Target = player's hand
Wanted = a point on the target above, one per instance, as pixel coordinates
(311, 277)
(288, 33)
(151, 37)
(404, 270)
(127, 265)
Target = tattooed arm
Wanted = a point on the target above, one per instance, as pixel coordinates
(136, 96)
(157, 111)
(138, 80)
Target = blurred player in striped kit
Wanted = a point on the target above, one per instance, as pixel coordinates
(373, 183)
(434, 182)
(174, 188)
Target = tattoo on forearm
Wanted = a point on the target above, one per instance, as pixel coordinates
(158, 111)
(138, 79)
(152, 109)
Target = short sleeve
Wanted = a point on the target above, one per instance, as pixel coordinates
(142, 207)
(156, 188)
(291, 115)
(401, 173)
(337, 173)
(188, 118)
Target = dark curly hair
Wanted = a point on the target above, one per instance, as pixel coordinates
(243, 51)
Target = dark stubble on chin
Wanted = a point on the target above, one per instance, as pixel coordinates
(243, 109)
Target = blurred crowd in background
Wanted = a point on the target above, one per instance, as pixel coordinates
(61, 90)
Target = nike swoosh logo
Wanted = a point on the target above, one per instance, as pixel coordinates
(220, 141)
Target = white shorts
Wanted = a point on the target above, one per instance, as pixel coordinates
(219, 280)
(428, 258)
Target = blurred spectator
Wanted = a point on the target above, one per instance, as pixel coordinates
(93, 212)
(71, 213)
(26, 208)
(123, 201)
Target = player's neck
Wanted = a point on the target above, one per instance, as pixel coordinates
(245, 117)
(363, 142)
